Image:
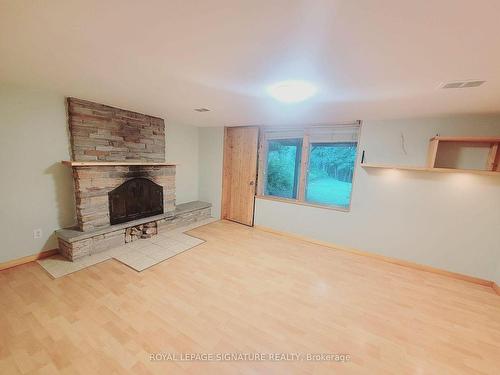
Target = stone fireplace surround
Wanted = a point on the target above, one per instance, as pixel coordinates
(111, 146)
(93, 182)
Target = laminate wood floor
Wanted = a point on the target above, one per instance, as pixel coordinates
(247, 291)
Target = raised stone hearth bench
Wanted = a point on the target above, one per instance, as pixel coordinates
(74, 244)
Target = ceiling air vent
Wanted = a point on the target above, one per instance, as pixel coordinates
(201, 109)
(461, 84)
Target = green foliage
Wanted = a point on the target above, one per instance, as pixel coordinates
(335, 160)
(328, 163)
(282, 168)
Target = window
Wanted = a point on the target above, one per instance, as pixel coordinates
(309, 166)
(283, 163)
(329, 177)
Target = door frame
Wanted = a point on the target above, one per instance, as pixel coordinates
(226, 176)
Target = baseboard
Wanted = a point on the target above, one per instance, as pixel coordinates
(27, 259)
(404, 263)
(496, 288)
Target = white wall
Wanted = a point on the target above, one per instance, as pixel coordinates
(449, 221)
(36, 190)
(211, 152)
(182, 148)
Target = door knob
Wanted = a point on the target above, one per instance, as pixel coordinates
(252, 182)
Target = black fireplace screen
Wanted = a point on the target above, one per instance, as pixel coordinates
(135, 199)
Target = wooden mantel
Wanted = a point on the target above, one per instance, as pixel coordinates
(112, 163)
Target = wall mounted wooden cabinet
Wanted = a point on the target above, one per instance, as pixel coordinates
(473, 153)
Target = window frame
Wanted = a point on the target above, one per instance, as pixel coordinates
(266, 134)
(297, 169)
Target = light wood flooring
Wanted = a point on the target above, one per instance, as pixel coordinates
(246, 290)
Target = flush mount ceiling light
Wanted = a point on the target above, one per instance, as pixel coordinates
(202, 110)
(292, 91)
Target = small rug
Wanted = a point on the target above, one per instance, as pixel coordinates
(139, 255)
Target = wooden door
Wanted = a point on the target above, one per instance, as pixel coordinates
(239, 173)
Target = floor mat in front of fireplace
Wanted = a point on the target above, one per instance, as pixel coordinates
(139, 255)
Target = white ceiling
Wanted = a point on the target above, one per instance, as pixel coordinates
(371, 59)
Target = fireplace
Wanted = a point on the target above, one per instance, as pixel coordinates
(124, 188)
(135, 199)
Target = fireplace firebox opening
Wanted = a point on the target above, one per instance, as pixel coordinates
(135, 199)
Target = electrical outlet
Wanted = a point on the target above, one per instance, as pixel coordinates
(37, 233)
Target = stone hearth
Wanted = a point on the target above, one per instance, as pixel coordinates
(75, 244)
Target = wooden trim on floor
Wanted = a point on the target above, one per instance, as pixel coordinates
(27, 259)
(496, 288)
(404, 263)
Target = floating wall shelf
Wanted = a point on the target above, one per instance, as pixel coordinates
(426, 169)
(492, 164)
